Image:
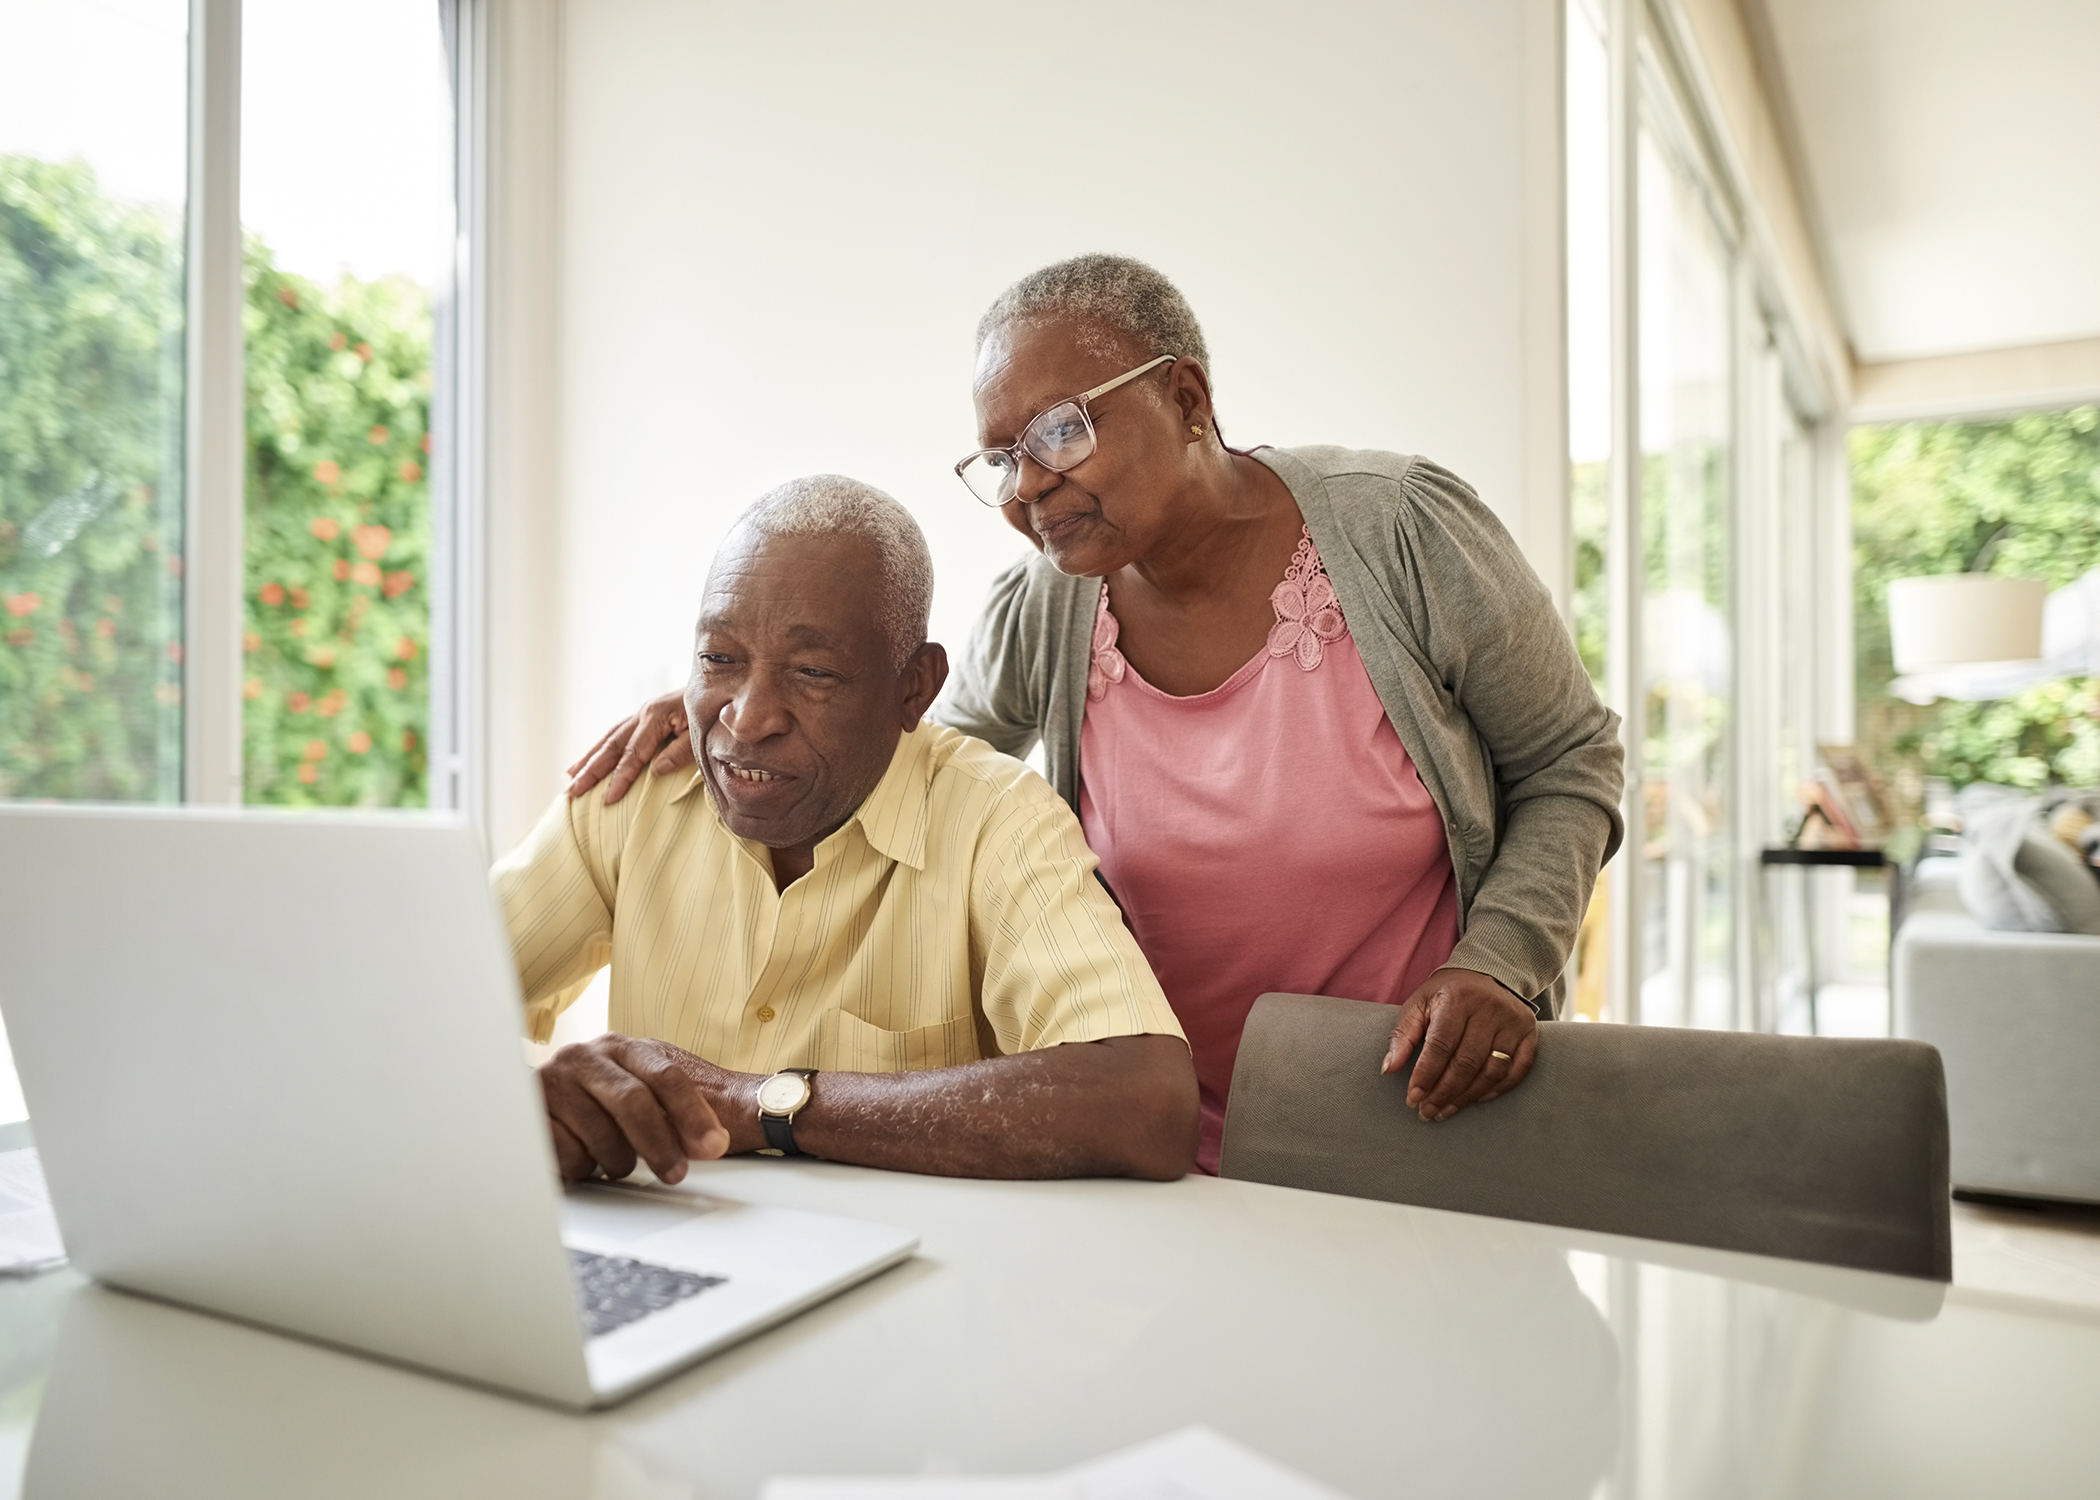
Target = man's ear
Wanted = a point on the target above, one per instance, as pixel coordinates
(924, 677)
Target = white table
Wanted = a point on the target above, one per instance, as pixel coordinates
(1384, 1350)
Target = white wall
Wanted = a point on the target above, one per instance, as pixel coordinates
(779, 224)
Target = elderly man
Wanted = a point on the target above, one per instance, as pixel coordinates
(869, 938)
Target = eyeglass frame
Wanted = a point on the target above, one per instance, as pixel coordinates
(1015, 451)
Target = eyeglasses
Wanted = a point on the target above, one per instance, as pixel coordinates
(1059, 439)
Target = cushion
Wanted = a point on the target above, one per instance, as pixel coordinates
(2018, 877)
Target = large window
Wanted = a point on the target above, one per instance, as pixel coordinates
(184, 613)
(1693, 513)
(1688, 652)
(348, 213)
(92, 193)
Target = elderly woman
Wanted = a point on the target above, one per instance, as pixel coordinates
(1318, 717)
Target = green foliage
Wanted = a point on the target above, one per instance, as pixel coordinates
(2023, 497)
(91, 310)
(338, 540)
(338, 533)
(1589, 505)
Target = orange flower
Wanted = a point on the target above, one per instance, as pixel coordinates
(300, 598)
(324, 658)
(272, 593)
(327, 708)
(377, 435)
(324, 527)
(19, 605)
(252, 689)
(426, 442)
(360, 743)
(364, 352)
(372, 541)
(316, 750)
(341, 569)
(405, 648)
(287, 296)
(337, 341)
(396, 678)
(309, 773)
(411, 471)
(298, 703)
(251, 642)
(408, 739)
(366, 573)
(107, 629)
(25, 635)
(399, 583)
(298, 627)
(327, 471)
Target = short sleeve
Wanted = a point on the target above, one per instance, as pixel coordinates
(1057, 962)
(557, 901)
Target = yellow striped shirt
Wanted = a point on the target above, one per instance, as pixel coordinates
(955, 916)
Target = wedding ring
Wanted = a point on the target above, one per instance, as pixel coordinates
(1503, 1055)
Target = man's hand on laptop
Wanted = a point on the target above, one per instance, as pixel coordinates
(616, 1100)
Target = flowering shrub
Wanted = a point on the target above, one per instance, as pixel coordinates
(338, 614)
(336, 680)
(91, 302)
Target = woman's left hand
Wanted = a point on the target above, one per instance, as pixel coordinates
(1477, 1041)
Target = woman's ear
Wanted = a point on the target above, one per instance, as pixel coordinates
(1188, 387)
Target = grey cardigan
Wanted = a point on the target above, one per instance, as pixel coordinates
(1474, 667)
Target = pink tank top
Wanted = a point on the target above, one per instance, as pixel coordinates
(1271, 834)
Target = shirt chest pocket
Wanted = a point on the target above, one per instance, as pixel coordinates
(858, 1046)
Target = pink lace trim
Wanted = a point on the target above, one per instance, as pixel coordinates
(1308, 620)
(1107, 665)
(1308, 616)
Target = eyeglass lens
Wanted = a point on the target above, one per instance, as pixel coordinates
(1060, 439)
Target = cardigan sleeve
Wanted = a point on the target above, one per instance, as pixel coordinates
(988, 693)
(1496, 645)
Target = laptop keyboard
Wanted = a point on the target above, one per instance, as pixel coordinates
(614, 1290)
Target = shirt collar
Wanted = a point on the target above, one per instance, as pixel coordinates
(893, 818)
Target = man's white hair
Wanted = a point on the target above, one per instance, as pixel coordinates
(1122, 295)
(833, 505)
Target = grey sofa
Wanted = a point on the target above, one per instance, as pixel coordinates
(2016, 1017)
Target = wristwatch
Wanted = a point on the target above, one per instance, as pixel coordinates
(779, 1097)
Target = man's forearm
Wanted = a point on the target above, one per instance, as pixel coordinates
(1123, 1107)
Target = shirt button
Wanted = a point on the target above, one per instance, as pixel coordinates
(765, 1012)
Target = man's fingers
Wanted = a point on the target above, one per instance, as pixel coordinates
(1488, 1082)
(681, 1098)
(570, 1157)
(571, 1108)
(634, 1107)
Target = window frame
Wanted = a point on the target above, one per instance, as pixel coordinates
(215, 427)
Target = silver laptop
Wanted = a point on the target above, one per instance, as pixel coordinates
(273, 1066)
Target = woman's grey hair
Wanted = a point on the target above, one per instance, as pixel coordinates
(833, 505)
(1123, 295)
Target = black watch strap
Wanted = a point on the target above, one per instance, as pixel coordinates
(780, 1129)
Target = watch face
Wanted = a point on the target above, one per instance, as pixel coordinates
(783, 1093)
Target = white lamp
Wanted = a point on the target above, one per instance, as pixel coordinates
(1964, 618)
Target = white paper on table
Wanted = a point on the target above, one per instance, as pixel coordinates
(1193, 1464)
(922, 1487)
(28, 1229)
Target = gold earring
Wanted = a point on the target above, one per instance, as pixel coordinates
(1196, 428)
